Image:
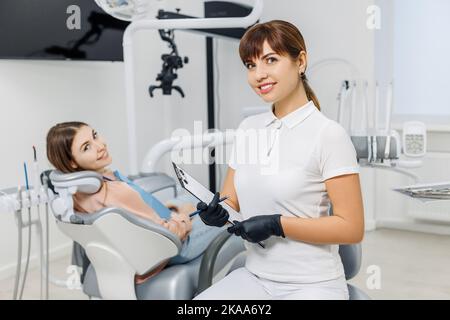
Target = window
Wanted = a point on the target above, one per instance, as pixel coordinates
(421, 57)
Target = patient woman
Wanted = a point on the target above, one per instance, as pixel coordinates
(75, 146)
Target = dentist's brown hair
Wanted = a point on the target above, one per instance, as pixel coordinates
(284, 38)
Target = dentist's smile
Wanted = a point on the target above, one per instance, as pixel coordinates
(267, 87)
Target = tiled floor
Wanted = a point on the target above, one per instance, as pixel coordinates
(58, 269)
(411, 266)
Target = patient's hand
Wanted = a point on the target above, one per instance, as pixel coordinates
(183, 218)
(180, 224)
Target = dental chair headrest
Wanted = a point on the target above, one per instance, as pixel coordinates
(85, 181)
(45, 180)
(66, 185)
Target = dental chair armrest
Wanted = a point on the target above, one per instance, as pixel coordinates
(351, 256)
(89, 219)
(155, 182)
(212, 261)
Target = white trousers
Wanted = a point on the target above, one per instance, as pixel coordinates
(241, 284)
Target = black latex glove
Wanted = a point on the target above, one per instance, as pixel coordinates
(258, 228)
(213, 214)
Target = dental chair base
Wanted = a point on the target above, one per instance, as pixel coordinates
(178, 282)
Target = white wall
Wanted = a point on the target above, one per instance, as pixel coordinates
(34, 95)
(421, 64)
(410, 52)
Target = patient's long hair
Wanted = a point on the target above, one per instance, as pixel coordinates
(59, 145)
(284, 38)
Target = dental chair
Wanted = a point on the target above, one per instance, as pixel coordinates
(120, 245)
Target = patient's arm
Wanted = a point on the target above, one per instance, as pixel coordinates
(179, 225)
(120, 195)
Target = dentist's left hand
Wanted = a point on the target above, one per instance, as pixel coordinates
(258, 228)
(213, 214)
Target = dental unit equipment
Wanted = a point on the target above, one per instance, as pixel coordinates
(27, 198)
(377, 147)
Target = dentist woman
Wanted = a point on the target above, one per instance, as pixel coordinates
(312, 166)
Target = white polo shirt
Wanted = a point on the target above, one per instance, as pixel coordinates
(283, 171)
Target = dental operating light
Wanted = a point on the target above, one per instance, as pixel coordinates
(127, 10)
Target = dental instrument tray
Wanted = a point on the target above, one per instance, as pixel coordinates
(431, 191)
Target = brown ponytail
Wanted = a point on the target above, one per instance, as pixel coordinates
(284, 38)
(309, 91)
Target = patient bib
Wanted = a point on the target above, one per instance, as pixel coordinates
(149, 199)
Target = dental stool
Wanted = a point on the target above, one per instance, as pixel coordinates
(120, 245)
(350, 256)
